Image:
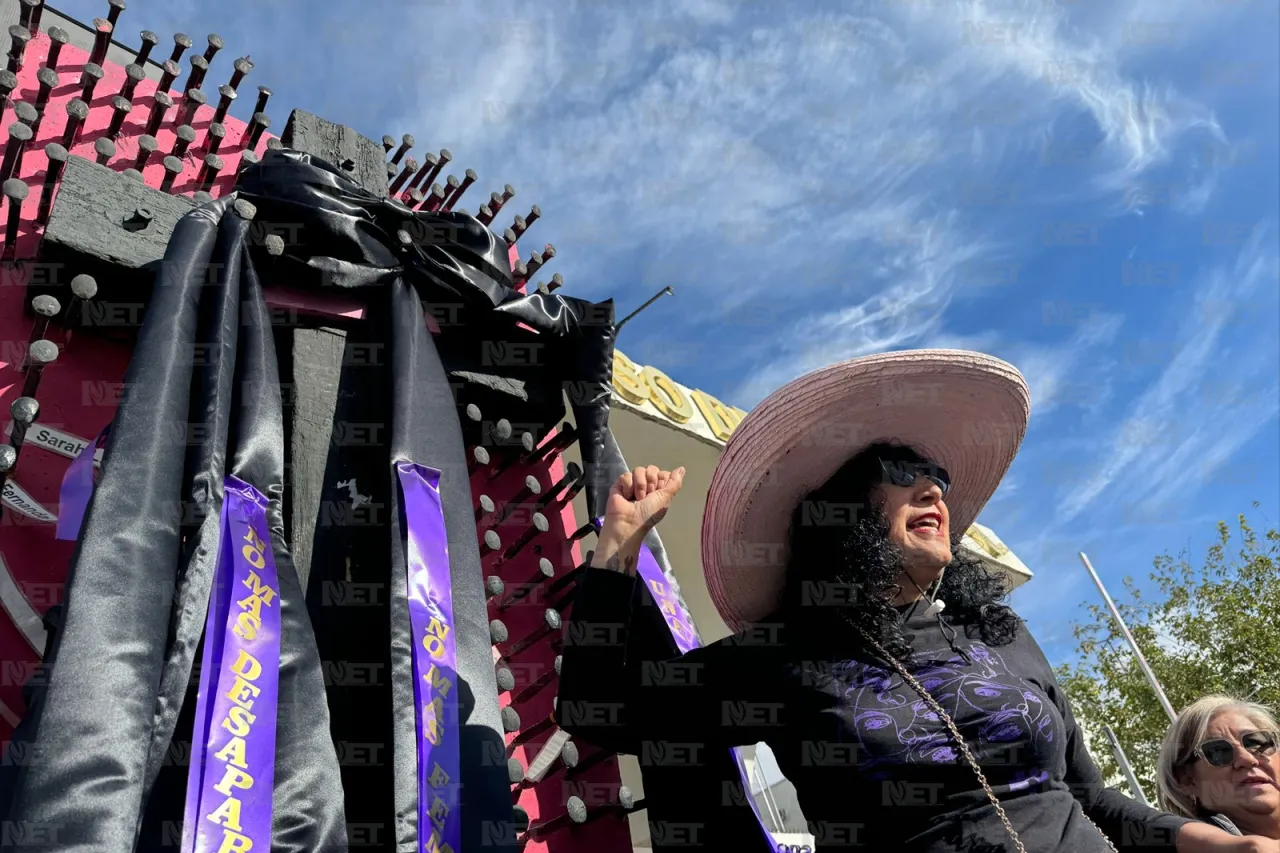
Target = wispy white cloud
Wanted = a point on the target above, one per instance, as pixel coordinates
(857, 159)
(1177, 431)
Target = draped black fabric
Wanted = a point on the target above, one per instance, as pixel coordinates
(107, 733)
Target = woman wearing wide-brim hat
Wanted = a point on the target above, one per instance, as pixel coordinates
(833, 519)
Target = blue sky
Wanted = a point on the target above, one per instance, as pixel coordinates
(1087, 188)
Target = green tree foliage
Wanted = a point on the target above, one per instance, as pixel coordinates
(1208, 627)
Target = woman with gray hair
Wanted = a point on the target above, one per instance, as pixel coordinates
(1219, 763)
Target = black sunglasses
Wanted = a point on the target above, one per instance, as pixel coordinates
(905, 473)
(1220, 752)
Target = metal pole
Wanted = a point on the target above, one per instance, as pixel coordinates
(1125, 768)
(1142, 661)
(666, 291)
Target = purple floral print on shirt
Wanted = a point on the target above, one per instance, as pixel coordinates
(991, 706)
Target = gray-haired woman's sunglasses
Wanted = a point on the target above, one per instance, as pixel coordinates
(1220, 752)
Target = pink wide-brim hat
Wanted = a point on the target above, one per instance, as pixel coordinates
(966, 411)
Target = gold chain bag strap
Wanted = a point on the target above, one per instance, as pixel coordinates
(960, 742)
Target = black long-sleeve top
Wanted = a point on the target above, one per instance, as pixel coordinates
(873, 767)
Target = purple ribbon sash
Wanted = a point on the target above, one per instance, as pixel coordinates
(434, 660)
(77, 489)
(230, 781)
(686, 637)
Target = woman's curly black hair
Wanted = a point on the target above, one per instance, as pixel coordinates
(841, 558)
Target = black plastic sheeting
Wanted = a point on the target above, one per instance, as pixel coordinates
(115, 706)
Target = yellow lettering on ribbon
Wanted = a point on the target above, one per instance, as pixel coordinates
(438, 777)
(258, 588)
(666, 396)
(247, 626)
(249, 620)
(234, 842)
(435, 844)
(431, 715)
(439, 812)
(233, 778)
(233, 753)
(628, 380)
(242, 691)
(433, 642)
(659, 588)
(438, 680)
(227, 814)
(722, 419)
(238, 721)
(251, 536)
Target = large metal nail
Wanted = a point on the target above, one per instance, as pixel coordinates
(117, 6)
(77, 113)
(434, 199)
(193, 100)
(172, 168)
(406, 142)
(215, 45)
(437, 166)
(89, 78)
(450, 187)
(120, 109)
(147, 145)
(134, 175)
(181, 41)
(484, 215)
(26, 113)
(83, 288)
(58, 38)
(507, 233)
(257, 126)
(133, 75)
(8, 461)
(557, 282)
(102, 30)
(149, 41)
(8, 82)
(546, 571)
(508, 193)
(226, 96)
(25, 12)
(469, 178)
(163, 101)
(37, 11)
(40, 355)
(57, 156)
(213, 138)
(171, 72)
(201, 197)
(24, 410)
(213, 167)
(410, 167)
(264, 95)
(241, 66)
(184, 139)
(19, 135)
(429, 162)
(416, 197)
(19, 36)
(551, 623)
(247, 159)
(199, 68)
(105, 150)
(45, 308)
(388, 142)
